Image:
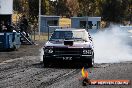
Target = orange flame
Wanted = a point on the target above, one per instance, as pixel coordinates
(84, 73)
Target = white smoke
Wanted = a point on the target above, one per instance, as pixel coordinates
(111, 45)
(41, 54)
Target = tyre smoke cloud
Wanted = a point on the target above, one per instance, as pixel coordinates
(112, 45)
(41, 54)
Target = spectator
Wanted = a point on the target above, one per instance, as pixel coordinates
(9, 27)
(24, 25)
(3, 27)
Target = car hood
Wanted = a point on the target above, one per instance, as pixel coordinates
(76, 44)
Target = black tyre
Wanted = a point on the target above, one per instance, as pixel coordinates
(91, 62)
(46, 64)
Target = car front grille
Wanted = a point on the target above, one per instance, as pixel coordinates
(65, 51)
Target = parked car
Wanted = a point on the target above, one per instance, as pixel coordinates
(69, 44)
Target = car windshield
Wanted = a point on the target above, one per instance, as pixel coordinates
(67, 35)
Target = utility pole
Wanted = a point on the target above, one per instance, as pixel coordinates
(57, 7)
(87, 15)
(39, 15)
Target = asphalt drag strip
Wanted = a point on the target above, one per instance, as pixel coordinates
(29, 72)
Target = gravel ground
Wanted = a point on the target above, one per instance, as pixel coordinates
(23, 69)
(24, 50)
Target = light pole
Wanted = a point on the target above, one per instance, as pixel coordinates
(39, 16)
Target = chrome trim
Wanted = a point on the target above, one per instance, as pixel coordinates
(67, 55)
(86, 55)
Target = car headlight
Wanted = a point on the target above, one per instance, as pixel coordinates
(87, 51)
(48, 50)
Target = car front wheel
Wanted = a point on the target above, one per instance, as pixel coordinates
(46, 63)
(91, 62)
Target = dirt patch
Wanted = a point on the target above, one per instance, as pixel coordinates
(24, 50)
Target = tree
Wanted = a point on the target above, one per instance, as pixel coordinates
(33, 10)
(57, 7)
(73, 7)
(87, 7)
(98, 7)
(114, 10)
(127, 9)
(45, 7)
(109, 10)
(61, 7)
(16, 5)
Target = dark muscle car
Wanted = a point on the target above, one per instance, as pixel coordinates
(69, 45)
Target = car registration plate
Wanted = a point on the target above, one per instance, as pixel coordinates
(67, 58)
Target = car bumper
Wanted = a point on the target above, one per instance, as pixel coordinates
(78, 58)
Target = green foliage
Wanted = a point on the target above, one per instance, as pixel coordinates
(58, 7)
(87, 7)
(114, 10)
(45, 7)
(109, 10)
(33, 9)
(18, 6)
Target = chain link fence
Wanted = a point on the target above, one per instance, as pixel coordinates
(42, 36)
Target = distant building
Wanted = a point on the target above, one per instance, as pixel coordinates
(86, 22)
(49, 21)
(6, 10)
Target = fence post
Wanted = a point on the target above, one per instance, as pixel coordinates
(48, 32)
(34, 34)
